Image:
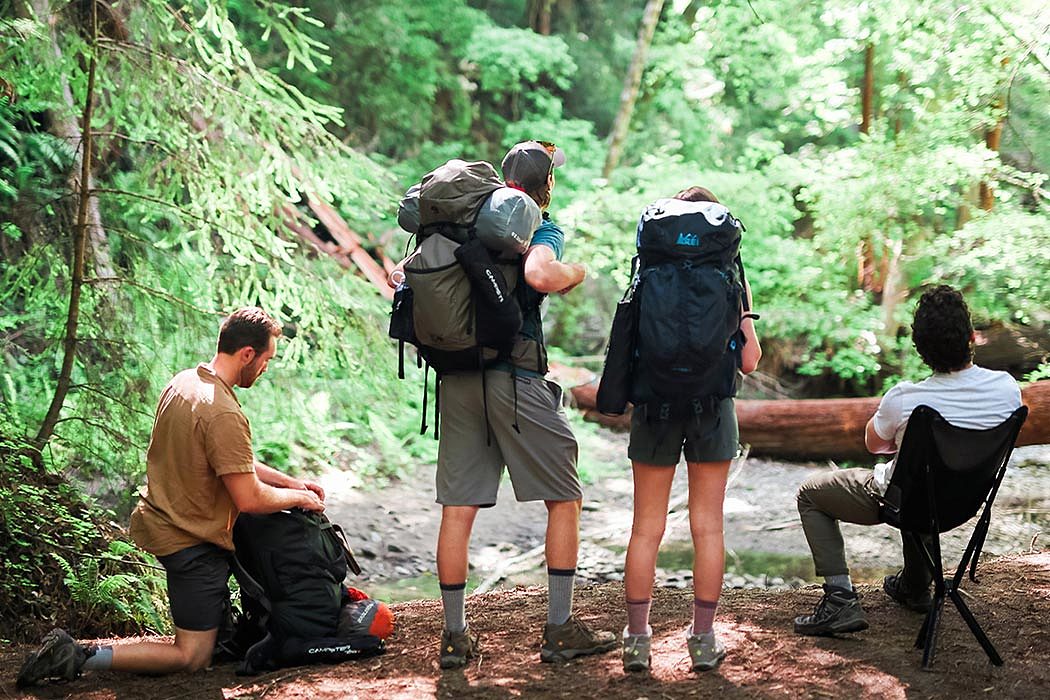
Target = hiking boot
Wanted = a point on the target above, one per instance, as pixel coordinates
(837, 612)
(457, 648)
(636, 654)
(893, 585)
(58, 657)
(706, 651)
(573, 638)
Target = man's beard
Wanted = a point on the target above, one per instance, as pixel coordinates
(249, 373)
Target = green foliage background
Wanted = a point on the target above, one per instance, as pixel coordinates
(213, 120)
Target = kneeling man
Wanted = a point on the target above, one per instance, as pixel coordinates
(200, 473)
(966, 395)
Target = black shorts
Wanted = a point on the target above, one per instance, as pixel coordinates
(712, 436)
(198, 588)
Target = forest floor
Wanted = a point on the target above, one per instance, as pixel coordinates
(393, 530)
(765, 659)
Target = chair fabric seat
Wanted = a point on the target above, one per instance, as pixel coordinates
(943, 477)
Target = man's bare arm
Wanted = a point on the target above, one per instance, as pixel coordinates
(251, 495)
(875, 443)
(546, 274)
(269, 475)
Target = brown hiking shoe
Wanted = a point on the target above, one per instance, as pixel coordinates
(457, 648)
(573, 638)
(58, 657)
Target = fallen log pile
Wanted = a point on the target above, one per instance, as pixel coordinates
(818, 428)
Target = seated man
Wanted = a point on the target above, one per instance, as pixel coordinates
(200, 473)
(966, 395)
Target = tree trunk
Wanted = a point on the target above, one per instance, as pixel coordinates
(80, 237)
(631, 83)
(820, 428)
(64, 126)
(892, 294)
(992, 138)
(867, 93)
(540, 16)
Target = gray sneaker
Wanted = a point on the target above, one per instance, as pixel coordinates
(573, 638)
(58, 657)
(837, 612)
(706, 651)
(457, 648)
(636, 654)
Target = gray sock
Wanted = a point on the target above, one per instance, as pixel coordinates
(453, 601)
(839, 581)
(101, 660)
(559, 593)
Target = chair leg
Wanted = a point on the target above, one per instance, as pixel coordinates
(978, 632)
(920, 640)
(933, 623)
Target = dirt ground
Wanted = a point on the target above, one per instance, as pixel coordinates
(765, 659)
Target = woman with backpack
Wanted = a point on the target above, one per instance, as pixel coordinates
(708, 435)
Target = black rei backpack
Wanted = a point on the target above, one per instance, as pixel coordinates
(290, 568)
(675, 345)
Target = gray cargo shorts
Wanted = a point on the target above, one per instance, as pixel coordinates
(541, 458)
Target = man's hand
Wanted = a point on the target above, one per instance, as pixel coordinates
(311, 501)
(271, 476)
(301, 485)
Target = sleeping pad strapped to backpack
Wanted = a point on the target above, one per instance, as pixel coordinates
(290, 567)
(675, 345)
(459, 304)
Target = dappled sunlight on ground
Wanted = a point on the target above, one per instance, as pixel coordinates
(765, 659)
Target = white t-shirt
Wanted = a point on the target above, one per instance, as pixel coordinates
(974, 397)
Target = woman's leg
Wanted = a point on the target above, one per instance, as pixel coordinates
(707, 489)
(652, 490)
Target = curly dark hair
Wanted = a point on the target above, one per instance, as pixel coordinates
(942, 331)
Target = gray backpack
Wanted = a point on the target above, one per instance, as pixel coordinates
(459, 305)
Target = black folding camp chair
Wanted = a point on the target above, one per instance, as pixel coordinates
(943, 475)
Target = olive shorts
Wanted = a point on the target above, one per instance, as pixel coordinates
(540, 454)
(712, 436)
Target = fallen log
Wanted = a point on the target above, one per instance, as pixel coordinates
(819, 428)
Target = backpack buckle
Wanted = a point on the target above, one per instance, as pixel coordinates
(665, 412)
(698, 407)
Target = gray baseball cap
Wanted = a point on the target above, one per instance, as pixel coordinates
(529, 163)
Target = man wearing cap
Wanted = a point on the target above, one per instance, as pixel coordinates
(530, 434)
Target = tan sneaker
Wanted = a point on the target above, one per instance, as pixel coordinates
(706, 651)
(574, 638)
(457, 648)
(636, 651)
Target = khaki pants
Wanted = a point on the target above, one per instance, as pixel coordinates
(849, 495)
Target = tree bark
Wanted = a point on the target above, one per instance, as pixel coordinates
(80, 239)
(820, 428)
(992, 138)
(540, 16)
(892, 293)
(631, 83)
(867, 93)
(64, 126)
